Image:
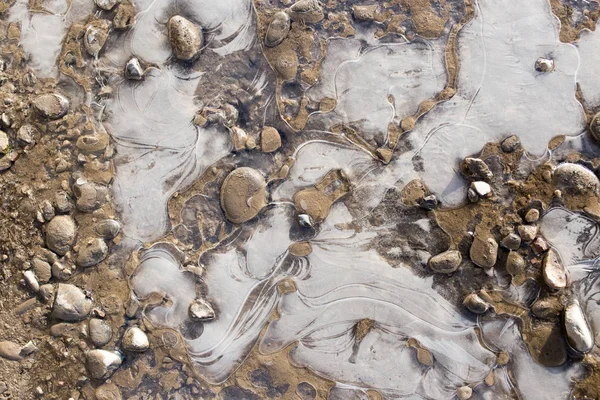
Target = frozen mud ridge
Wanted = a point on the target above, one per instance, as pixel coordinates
(346, 291)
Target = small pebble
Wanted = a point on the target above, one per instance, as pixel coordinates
(134, 339)
(476, 304)
(532, 215)
(511, 241)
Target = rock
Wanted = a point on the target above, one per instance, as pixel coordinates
(464, 392)
(108, 228)
(47, 293)
(102, 363)
(364, 13)
(239, 137)
(71, 304)
(306, 11)
(503, 358)
(28, 349)
(555, 274)
(511, 241)
(64, 329)
(478, 168)
(134, 339)
(95, 36)
(108, 391)
(10, 351)
(472, 196)
(510, 144)
(27, 134)
(31, 281)
(61, 272)
(595, 126)
(446, 262)
(539, 245)
(515, 264)
(544, 65)
(63, 203)
(547, 308)
(286, 65)
(4, 143)
(482, 189)
(92, 253)
(243, 194)
(47, 210)
(106, 5)
(51, 105)
(88, 198)
(475, 304)
(278, 29)
(575, 179)
(134, 70)
(92, 143)
(270, 140)
(185, 37)
(60, 234)
(484, 251)
(42, 270)
(428, 202)
(532, 215)
(527, 232)
(100, 332)
(124, 17)
(201, 310)
(305, 221)
(577, 329)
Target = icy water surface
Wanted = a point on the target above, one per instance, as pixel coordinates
(332, 265)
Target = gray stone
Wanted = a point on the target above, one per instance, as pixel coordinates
(47, 210)
(42, 270)
(60, 271)
(100, 332)
(101, 364)
(511, 241)
(26, 134)
(527, 232)
(51, 105)
(555, 274)
(95, 36)
(71, 304)
(60, 234)
(46, 293)
(511, 144)
(108, 228)
(91, 253)
(63, 203)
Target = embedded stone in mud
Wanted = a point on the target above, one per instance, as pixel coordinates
(547, 345)
(60, 234)
(476, 304)
(201, 310)
(270, 140)
(71, 304)
(186, 38)
(307, 11)
(102, 363)
(579, 334)
(576, 179)
(95, 36)
(278, 29)
(134, 339)
(51, 105)
(92, 253)
(243, 194)
(317, 200)
(484, 251)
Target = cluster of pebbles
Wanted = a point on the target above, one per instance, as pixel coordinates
(63, 158)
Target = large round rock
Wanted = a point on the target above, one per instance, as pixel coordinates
(60, 234)
(576, 179)
(185, 38)
(243, 194)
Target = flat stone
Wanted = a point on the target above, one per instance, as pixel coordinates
(63, 203)
(243, 194)
(51, 105)
(4, 143)
(555, 274)
(134, 339)
(42, 270)
(577, 329)
(91, 253)
(100, 332)
(510, 144)
(484, 251)
(364, 13)
(108, 391)
(277, 30)
(95, 36)
(71, 304)
(27, 134)
(511, 241)
(527, 232)
(60, 234)
(446, 262)
(201, 310)
(10, 350)
(185, 37)
(515, 263)
(47, 292)
(101, 364)
(270, 140)
(306, 11)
